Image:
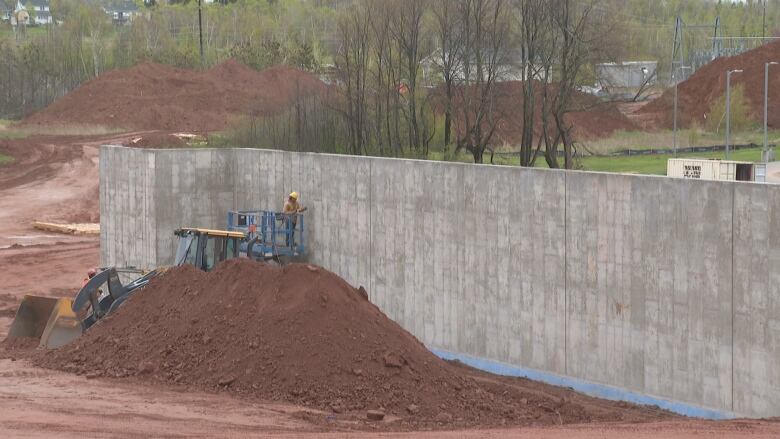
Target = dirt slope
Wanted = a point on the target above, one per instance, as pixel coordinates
(302, 335)
(708, 84)
(152, 96)
(589, 117)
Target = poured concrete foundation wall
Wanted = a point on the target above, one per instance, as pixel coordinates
(664, 287)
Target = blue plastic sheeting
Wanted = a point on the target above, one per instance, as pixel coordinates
(588, 388)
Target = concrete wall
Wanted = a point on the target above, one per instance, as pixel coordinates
(659, 286)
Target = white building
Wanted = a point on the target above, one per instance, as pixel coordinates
(39, 11)
(122, 12)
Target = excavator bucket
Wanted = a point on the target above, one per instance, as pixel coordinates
(47, 319)
(62, 327)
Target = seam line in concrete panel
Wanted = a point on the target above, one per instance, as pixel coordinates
(370, 229)
(565, 274)
(733, 208)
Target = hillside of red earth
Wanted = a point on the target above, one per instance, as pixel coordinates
(152, 96)
(697, 95)
(301, 334)
(589, 117)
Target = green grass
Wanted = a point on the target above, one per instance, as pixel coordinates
(9, 131)
(6, 132)
(639, 164)
(5, 159)
(640, 140)
(656, 164)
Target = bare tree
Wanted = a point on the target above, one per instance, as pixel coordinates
(486, 35)
(577, 42)
(450, 35)
(535, 36)
(407, 30)
(352, 66)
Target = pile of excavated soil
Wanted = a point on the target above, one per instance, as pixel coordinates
(697, 95)
(588, 116)
(300, 334)
(152, 96)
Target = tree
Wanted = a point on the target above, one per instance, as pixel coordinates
(537, 50)
(579, 40)
(486, 35)
(407, 31)
(352, 67)
(449, 32)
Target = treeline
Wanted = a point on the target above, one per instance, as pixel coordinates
(40, 63)
(411, 75)
(411, 71)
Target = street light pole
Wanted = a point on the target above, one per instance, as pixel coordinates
(766, 108)
(200, 30)
(675, 117)
(728, 109)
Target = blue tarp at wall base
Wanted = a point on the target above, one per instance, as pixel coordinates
(588, 388)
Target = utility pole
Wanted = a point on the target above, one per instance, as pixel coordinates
(763, 24)
(728, 109)
(765, 153)
(200, 30)
(675, 114)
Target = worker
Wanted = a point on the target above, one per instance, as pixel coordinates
(90, 274)
(291, 210)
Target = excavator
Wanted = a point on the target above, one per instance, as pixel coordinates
(258, 235)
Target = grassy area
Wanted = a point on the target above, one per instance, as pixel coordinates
(9, 131)
(6, 132)
(656, 164)
(639, 164)
(622, 140)
(5, 159)
(638, 140)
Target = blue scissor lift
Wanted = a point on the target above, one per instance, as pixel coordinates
(270, 235)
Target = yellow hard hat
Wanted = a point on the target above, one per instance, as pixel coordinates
(294, 195)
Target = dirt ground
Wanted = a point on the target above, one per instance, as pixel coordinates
(55, 178)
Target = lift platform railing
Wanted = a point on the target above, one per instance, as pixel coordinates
(274, 233)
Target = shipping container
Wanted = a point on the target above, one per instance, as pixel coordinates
(711, 169)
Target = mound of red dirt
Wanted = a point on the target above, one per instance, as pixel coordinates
(152, 96)
(696, 95)
(589, 117)
(301, 334)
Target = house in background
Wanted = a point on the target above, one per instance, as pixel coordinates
(122, 11)
(6, 10)
(39, 11)
(627, 79)
(512, 67)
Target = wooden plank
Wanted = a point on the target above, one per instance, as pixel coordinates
(68, 229)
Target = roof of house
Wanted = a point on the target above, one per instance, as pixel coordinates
(121, 6)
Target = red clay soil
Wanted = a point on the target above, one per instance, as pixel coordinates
(707, 85)
(590, 117)
(300, 334)
(152, 96)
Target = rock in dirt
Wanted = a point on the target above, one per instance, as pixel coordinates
(226, 381)
(443, 417)
(412, 409)
(146, 368)
(375, 415)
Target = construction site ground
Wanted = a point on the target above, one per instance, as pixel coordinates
(56, 179)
